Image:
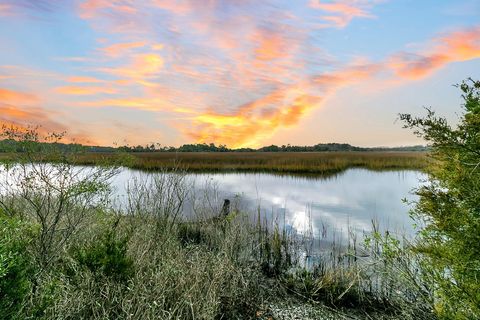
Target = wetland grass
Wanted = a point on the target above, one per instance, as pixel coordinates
(78, 257)
(317, 163)
(67, 252)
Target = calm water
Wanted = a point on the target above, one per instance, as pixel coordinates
(348, 200)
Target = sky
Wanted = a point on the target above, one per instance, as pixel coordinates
(244, 73)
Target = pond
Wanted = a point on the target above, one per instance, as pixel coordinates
(336, 205)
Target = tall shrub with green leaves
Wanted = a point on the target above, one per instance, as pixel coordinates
(43, 185)
(16, 267)
(449, 204)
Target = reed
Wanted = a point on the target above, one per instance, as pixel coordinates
(74, 254)
(275, 162)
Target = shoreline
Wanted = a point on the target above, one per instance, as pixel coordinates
(289, 163)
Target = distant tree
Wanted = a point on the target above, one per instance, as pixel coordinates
(449, 204)
(272, 148)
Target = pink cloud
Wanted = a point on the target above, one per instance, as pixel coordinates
(452, 47)
(340, 13)
(85, 90)
(90, 8)
(119, 49)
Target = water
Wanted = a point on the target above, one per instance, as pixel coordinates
(310, 206)
(347, 201)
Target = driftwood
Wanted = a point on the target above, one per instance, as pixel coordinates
(226, 207)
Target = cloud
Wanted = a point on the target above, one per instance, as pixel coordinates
(177, 7)
(84, 79)
(15, 97)
(5, 10)
(119, 49)
(270, 45)
(341, 12)
(147, 104)
(269, 61)
(251, 123)
(22, 110)
(29, 8)
(250, 128)
(231, 72)
(452, 47)
(90, 8)
(141, 66)
(86, 90)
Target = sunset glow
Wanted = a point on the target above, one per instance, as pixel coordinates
(240, 73)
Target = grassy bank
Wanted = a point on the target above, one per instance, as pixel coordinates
(67, 253)
(276, 162)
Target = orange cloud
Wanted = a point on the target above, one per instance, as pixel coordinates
(142, 65)
(260, 119)
(5, 10)
(147, 104)
(119, 49)
(247, 129)
(15, 97)
(229, 58)
(21, 110)
(284, 107)
(251, 123)
(176, 7)
(15, 115)
(454, 47)
(270, 46)
(90, 8)
(341, 12)
(90, 90)
(82, 79)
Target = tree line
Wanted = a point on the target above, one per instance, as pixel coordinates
(10, 145)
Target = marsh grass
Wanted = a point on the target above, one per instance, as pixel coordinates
(370, 274)
(144, 260)
(323, 163)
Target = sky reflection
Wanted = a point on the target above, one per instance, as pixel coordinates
(349, 200)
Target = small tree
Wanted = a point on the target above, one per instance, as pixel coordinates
(42, 184)
(449, 205)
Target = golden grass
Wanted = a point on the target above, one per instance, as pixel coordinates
(276, 162)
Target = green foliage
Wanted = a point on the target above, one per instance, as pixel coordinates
(43, 298)
(333, 288)
(12, 143)
(151, 265)
(107, 257)
(16, 269)
(189, 233)
(450, 206)
(274, 252)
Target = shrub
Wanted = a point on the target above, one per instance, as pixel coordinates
(450, 206)
(16, 270)
(107, 257)
(189, 233)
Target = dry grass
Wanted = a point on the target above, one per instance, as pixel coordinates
(146, 261)
(276, 162)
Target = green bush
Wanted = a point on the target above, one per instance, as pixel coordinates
(189, 233)
(450, 206)
(107, 257)
(16, 268)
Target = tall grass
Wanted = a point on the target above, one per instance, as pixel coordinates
(144, 260)
(277, 162)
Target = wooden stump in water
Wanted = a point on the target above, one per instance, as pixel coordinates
(226, 207)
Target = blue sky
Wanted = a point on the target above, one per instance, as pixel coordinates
(235, 72)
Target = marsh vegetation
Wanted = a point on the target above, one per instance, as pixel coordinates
(72, 254)
(67, 251)
(317, 163)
